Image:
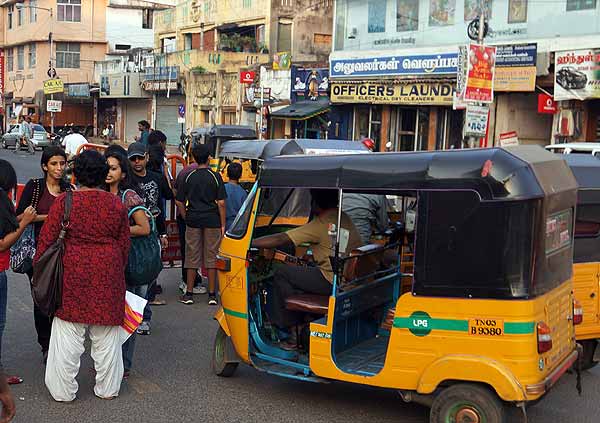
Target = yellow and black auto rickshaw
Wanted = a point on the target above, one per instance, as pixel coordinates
(487, 321)
(586, 253)
(217, 135)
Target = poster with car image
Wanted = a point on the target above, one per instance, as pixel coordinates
(577, 74)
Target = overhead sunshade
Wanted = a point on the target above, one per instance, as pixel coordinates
(302, 110)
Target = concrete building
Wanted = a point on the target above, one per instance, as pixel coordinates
(393, 69)
(212, 41)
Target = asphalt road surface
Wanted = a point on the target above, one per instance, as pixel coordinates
(172, 381)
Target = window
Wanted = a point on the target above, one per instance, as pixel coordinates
(9, 59)
(67, 55)
(580, 5)
(407, 15)
(147, 16)
(240, 224)
(33, 11)
(21, 57)
(69, 11)
(247, 4)
(20, 15)
(377, 16)
(32, 55)
(187, 41)
(284, 37)
(11, 10)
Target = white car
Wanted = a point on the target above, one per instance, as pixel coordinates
(592, 148)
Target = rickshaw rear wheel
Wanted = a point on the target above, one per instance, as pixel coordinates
(467, 403)
(587, 358)
(220, 365)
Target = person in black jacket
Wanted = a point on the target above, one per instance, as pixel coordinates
(40, 194)
(154, 188)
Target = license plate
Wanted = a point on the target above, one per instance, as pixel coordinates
(486, 327)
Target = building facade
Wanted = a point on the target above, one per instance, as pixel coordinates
(393, 69)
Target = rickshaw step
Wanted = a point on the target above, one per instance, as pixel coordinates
(366, 358)
(278, 367)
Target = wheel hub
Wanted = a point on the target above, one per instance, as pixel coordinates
(467, 415)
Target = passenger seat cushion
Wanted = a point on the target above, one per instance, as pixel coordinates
(308, 303)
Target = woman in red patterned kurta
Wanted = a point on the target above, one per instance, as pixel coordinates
(96, 251)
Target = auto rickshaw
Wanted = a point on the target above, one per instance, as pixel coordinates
(488, 320)
(217, 135)
(586, 253)
(251, 153)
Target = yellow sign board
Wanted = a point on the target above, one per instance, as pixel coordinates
(53, 86)
(515, 78)
(430, 93)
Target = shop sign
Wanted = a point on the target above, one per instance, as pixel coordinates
(309, 84)
(479, 86)
(54, 106)
(546, 104)
(416, 64)
(515, 67)
(160, 85)
(476, 120)
(434, 93)
(247, 77)
(78, 90)
(509, 138)
(282, 61)
(53, 86)
(576, 75)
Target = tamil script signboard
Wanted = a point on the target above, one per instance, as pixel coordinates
(417, 64)
(515, 67)
(576, 75)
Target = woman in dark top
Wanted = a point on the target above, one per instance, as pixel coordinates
(93, 292)
(40, 194)
(10, 231)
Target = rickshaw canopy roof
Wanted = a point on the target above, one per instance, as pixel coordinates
(514, 173)
(262, 150)
(586, 169)
(232, 131)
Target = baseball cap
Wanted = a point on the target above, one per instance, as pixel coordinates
(136, 149)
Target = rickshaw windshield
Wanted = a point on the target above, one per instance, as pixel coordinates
(284, 206)
(240, 224)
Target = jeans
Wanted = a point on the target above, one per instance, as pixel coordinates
(3, 294)
(150, 295)
(129, 345)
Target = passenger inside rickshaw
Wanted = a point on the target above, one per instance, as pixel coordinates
(292, 275)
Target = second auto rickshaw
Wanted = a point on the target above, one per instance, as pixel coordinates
(487, 318)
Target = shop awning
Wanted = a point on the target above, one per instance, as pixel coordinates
(302, 110)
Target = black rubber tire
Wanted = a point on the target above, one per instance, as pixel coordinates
(219, 365)
(479, 399)
(587, 357)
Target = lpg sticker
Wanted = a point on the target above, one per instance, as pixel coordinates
(486, 327)
(419, 323)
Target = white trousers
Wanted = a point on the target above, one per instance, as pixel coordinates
(64, 359)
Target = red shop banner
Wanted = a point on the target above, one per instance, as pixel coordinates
(546, 104)
(479, 86)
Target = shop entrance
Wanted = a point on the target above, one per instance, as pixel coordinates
(449, 129)
(409, 129)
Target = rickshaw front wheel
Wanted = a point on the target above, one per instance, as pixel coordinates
(466, 403)
(221, 366)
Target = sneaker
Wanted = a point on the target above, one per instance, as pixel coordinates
(143, 328)
(212, 300)
(186, 298)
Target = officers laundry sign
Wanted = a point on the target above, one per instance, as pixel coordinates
(438, 93)
(576, 75)
(423, 64)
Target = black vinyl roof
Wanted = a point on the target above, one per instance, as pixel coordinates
(516, 172)
(262, 150)
(586, 169)
(302, 110)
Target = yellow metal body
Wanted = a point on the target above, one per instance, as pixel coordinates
(432, 339)
(586, 288)
(220, 166)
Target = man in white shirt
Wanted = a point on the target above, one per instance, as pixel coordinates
(72, 142)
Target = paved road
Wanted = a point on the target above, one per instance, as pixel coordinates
(172, 380)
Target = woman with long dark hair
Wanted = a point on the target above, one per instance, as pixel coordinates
(93, 292)
(118, 182)
(10, 231)
(40, 194)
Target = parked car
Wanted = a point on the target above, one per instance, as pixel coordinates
(571, 79)
(40, 136)
(592, 148)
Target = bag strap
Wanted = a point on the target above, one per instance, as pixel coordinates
(148, 214)
(125, 192)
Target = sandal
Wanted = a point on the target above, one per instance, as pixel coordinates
(14, 380)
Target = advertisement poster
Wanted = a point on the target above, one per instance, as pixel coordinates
(472, 9)
(441, 12)
(577, 75)
(309, 84)
(440, 93)
(476, 120)
(376, 16)
(546, 104)
(515, 67)
(508, 139)
(517, 11)
(282, 60)
(407, 18)
(480, 76)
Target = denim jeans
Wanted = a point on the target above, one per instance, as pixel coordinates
(150, 296)
(3, 294)
(129, 345)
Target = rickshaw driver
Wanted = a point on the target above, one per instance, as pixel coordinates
(290, 279)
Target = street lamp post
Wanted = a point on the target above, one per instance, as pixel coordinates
(51, 69)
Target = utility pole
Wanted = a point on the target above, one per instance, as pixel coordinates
(480, 33)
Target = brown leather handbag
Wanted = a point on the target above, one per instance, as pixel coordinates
(47, 280)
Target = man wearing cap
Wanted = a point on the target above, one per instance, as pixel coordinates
(154, 187)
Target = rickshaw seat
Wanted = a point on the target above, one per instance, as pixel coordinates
(308, 303)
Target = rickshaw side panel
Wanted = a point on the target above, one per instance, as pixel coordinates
(586, 288)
